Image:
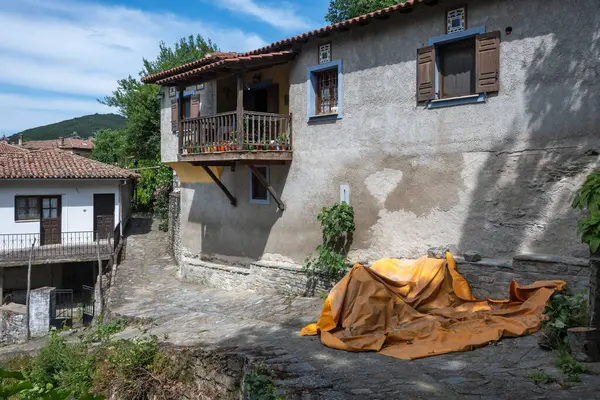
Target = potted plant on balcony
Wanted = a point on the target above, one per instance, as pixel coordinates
(283, 141)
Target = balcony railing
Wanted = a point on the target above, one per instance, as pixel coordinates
(63, 246)
(222, 133)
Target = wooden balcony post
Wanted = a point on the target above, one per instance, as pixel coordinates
(180, 112)
(240, 111)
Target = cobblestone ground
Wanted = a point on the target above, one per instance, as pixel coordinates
(183, 314)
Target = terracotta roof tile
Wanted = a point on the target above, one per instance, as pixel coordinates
(70, 143)
(57, 164)
(7, 148)
(210, 58)
(286, 43)
(247, 58)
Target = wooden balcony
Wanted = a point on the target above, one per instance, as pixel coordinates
(245, 136)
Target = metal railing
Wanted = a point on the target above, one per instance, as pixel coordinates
(16, 247)
(222, 133)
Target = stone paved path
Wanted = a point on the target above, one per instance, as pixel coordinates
(183, 314)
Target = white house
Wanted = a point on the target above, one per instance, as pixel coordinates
(62, 202)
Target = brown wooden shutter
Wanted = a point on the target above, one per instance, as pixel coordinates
(426, 73)
(487, 64)
(174, 115)
(195, 106)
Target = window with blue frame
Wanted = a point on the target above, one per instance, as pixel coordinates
(458, 68)
(324, 91)
(258, 193)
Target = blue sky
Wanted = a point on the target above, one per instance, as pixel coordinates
(58, 56)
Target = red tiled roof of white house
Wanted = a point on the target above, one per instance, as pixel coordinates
(286, 44)
(8, 148)
(60, 143)
(57, 164)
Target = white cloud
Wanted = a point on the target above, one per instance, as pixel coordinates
(82, 48)
(281, 15)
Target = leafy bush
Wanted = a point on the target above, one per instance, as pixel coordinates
(338, 226)
(564, 311)
(103, 331)
(588, 200)
(260, 386)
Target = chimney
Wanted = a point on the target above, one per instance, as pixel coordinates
(21, 139)
(62, 141)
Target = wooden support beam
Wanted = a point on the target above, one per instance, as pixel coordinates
(263, 181)
(239, 126)
(232, 199)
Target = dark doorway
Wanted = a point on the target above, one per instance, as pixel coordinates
(50, 226)
(262, 98)
(104, 214)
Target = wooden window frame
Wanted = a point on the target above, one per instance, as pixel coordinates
(39, 208)
(267, 200)
(333, 95)
(452, 9)
(312, 71)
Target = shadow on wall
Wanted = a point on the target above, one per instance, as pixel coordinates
(524, 190)
(216, 228)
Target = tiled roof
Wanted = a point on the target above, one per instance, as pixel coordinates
(70, 143)
(7, 148)
(287, 43)
(210, 58)
(57, 164)
(249, 59)
(340, 26)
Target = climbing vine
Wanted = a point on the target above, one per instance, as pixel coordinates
(337, 223)
(588, 200)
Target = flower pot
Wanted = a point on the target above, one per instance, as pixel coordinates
(190, 150)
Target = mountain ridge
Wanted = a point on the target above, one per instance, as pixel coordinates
(85, 126)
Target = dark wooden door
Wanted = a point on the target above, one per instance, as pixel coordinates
(50, 225)
(104, 214)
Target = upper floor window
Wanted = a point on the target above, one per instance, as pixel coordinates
(459, 68)
(324, 91)
(327, 100)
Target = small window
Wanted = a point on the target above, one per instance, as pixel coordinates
(186, 104)
(27, 208)
(457, 68)
(327, 101)
(325, 53)
(456, 20)
(258, 193)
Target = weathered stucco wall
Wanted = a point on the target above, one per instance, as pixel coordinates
(497, 178)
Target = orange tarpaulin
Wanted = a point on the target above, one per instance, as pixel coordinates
(418, 308)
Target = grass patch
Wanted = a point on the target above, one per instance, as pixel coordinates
(569, 367)
(541, 377)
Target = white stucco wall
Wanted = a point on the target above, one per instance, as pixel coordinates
(77, 202)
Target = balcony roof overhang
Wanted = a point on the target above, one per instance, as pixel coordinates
(228, 67)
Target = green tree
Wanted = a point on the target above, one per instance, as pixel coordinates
(138, 144)
(108, 147)
(340, 10)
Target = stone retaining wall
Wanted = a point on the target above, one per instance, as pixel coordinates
(487, 278)
(13, 327)
(174, 238)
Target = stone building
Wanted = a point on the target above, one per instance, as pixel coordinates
(463, 123)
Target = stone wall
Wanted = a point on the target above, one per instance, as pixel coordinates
(487, 278)
(174, 241)
(13, 328)
(491, 278)
(261, 277)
